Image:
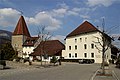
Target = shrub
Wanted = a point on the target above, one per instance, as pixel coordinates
(3, 62)
(53, 60)
(118, 63)
(26, 59)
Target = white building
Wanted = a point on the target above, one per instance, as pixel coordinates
(85, 42)
(29, 45)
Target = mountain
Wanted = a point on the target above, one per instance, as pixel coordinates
(5, 36)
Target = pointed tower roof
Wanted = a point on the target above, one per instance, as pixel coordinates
(83, 28)
(21, 28)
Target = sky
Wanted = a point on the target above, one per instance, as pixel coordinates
(61, 16)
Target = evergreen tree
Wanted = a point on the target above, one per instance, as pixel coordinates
(7, 51)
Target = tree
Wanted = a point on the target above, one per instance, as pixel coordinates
(7, 51)
(44, 36)
(104, 42)
(54, 60)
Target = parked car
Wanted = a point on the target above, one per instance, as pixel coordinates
(86, 61)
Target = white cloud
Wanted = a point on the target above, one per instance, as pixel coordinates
(73, 13)
(82, 12)
(105, 3)
(8, 17)
(85, 16)
(43, 18)
(58, 37)
(63, 5)
(58, 12)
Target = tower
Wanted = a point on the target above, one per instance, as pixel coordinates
(19, 36)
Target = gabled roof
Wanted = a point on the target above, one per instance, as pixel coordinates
(30, 41)
(21, 28)
(83, 28)
(50, 47)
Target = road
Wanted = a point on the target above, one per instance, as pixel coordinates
(67, 71)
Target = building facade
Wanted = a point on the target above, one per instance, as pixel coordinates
(85, 42)
(29, 45)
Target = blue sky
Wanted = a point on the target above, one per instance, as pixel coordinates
(60, 16)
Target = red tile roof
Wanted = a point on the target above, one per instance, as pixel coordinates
(21, 28)
(83, 28)
(51, 47)
(30, 41)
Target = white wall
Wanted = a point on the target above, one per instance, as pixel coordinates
(28, 50)
(80, 41)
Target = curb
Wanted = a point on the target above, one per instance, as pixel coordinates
(92, 78)
(114, 75)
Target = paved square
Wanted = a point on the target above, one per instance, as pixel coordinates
(67, 71)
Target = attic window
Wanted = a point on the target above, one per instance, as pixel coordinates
(75, 40)
(80, 39)
(85, 39)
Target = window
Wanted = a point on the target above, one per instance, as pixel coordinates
(75, 40)
(92, 46)
(85, 46)
(69, 47)
(92, 55)
(75, 54)
(85, 39)
(75, 47)
(69, 55)
(80, 39)
(85, 55)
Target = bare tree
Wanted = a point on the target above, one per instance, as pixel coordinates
(44, 36)
(103, 45)
(104, 42)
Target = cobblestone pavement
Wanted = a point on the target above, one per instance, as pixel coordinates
(67, 71)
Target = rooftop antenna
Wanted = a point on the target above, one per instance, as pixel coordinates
(103, 25)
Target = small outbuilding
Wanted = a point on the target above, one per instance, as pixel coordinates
(47, 49)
